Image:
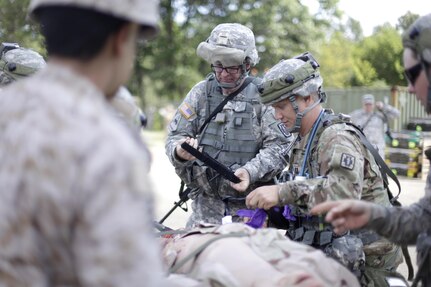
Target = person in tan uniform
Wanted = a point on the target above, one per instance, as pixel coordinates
(75, 200)
(237, 255)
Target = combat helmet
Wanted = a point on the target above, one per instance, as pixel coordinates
(127, 109)
(17, 62)
(298, 76)
(142, 12)
(418, 38)
(231, 44)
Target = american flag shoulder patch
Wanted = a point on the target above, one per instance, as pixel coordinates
(186, 110)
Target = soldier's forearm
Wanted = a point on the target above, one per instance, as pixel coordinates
(397, 224)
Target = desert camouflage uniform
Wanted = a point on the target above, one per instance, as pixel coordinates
(375, 128)
(268, 256)
(339, 167)
(75, 206)
(269, 160)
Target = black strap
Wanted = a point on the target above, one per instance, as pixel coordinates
(384, 169)
(368, 120)
(211, 162)
(247, 81)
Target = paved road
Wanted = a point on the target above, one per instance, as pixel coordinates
(166, 185)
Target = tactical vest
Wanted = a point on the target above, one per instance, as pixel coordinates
(229, 137)
(304, 223)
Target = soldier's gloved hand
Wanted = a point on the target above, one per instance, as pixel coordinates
(263, 197)
(181, 153)
(244, 176)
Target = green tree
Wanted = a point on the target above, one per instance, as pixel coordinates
(17, 28)
(335, 58)
(382, 51)
(406, 20)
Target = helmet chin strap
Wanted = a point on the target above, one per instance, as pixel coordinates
(235, 84)
(300, 115)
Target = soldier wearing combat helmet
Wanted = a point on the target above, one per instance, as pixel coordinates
(75, 199)
(328, 162)
(17, 62)
(223, 115)
(408, 225)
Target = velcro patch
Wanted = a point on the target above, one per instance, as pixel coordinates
(347, 161)
(173, 126)
(283, 130)
(186, 111)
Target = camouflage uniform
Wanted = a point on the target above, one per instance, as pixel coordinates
(207, 205)
(375, 124)
(269, 258)
(248, 132)
(405, 225)
(18, 63)
(338, 165)
(127, 109)
(75, 200)
(76, 204)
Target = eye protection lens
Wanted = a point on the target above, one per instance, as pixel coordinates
(229, 70)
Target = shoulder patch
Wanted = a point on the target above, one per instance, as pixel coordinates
(186, 111)
(347, 161)
(173, 126)
(283, 130)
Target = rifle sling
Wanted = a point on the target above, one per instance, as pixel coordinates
(247, 81)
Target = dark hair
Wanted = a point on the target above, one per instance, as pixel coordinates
(75, 32)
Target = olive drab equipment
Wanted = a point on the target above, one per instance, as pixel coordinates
(302, 81)
(237, 144)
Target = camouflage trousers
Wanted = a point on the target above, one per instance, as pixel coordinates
(379, 267)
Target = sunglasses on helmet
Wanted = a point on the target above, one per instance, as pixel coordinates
(412, 73)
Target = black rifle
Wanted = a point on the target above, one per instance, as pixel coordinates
(184, 196)
(210, 162)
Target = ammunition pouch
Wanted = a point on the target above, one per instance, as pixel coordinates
(347, 249)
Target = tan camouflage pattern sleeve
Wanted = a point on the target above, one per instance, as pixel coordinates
(339, 159)
(403, 224)
(271, 158)
(75, 200)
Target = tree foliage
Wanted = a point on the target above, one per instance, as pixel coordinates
(167, 67)
(16, 27)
